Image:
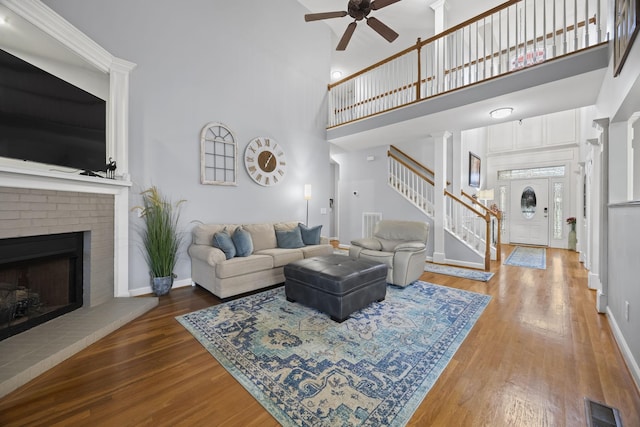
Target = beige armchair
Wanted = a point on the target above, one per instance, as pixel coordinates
(401, 245)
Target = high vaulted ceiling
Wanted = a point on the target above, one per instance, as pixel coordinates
(412, 19)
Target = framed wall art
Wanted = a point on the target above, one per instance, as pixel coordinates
(625, 30)
(474, 170)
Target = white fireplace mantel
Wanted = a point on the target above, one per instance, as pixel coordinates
(20, 175)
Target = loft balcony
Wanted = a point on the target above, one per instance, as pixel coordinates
(538, 56)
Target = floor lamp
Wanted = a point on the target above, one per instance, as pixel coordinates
(307, 197)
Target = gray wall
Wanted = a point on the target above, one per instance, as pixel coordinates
(258, 68)
(369, 179)
(624, 221)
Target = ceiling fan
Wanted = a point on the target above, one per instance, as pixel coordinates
(358, 10)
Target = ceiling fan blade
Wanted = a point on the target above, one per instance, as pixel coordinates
(325, 15)
(382, 29)
(379, 4)
(344, 41)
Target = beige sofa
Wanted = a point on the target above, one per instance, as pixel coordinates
(264, 267)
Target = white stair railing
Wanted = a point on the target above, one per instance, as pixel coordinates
(411, 184)
(462, 220)
(470, 226)
(509, 37)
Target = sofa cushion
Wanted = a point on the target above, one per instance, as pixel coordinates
(239, 266)
(281, 256)
(285, 226)
(368, 243)
(222, 240)
(242, 241)
(263, 236)
(290, 239)
(378, 256)
(317, 250)
(203, 233)
(310, 235)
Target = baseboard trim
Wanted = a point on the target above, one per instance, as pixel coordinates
(593, 281)
(632, 364)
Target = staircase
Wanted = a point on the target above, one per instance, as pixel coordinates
(472, 224)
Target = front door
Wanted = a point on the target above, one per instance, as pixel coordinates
(529, 211)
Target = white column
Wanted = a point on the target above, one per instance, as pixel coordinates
(117, 147)
(580, 199)
(593, 212)
(118, 129)
(440, 184)
(440, 8)
(602, 125)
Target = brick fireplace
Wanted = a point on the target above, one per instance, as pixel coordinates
(36, 212)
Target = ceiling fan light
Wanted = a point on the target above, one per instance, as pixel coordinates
(501, 113)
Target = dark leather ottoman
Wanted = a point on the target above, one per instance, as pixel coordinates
(335, 284)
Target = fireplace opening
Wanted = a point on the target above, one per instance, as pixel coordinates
(40, 279)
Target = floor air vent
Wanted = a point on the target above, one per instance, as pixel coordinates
(601, 415)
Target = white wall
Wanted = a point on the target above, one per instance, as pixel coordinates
(259, 69)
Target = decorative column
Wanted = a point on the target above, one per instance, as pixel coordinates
(593, 166)
(581, 203)
(440, 19)
(602, 125)
(440, 9)
(440, 184)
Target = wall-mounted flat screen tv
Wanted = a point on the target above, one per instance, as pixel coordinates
(48, 120)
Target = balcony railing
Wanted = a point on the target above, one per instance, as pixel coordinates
(510, 37)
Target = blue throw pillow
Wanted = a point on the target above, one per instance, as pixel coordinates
(222, 240)
(242, 241)
(310, 235)
(289, 239)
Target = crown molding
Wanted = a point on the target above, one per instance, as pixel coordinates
(60, 29)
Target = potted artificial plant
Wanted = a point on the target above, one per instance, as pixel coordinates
(161, 239)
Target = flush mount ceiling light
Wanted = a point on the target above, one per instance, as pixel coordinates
(336, 74)
(501, 113)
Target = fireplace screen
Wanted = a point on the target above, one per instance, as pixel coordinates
(40, 278)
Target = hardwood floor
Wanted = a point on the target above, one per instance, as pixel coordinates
(536, 352)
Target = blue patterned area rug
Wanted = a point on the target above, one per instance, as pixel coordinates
(526, 256)
(307, 370)
(465, 273)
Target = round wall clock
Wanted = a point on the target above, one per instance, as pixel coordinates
(265, 161)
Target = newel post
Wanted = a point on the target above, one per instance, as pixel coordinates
(487, 246)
